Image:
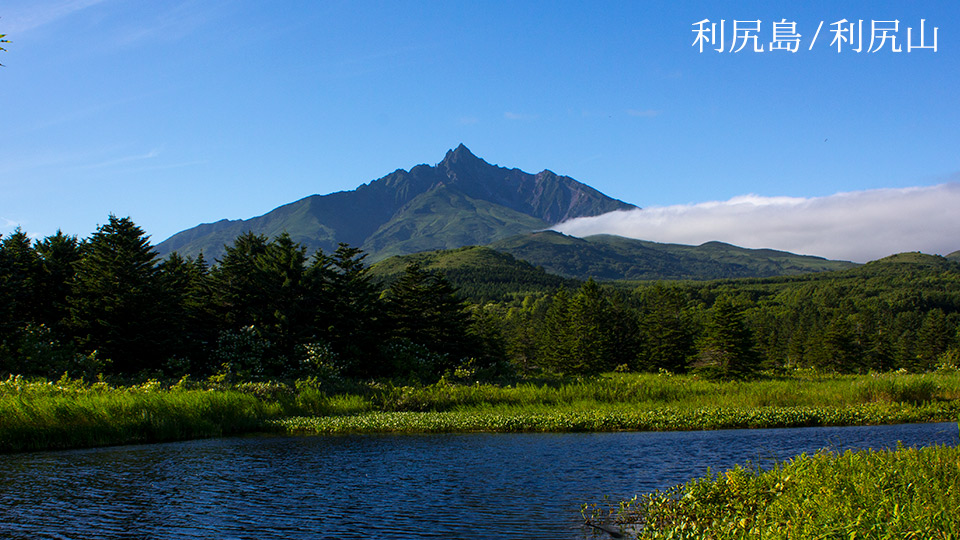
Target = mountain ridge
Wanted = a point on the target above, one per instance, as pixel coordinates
(381, 216)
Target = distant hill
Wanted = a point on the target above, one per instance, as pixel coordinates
(608, 257)
(461, 201)
(479, 273)
(955, 256)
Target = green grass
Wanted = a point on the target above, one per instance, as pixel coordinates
(70, 414)
(40, 414)
(900, 494)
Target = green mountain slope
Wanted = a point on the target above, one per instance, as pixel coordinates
(608, 257)
(446, 218)
(462, 200)
(479, 273)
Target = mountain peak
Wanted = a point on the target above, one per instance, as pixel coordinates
(407, 211)
(460, 154)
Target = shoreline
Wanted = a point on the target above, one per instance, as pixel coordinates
(42, 415)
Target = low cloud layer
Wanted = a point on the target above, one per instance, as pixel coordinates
(858, 226)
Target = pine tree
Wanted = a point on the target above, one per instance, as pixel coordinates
(351, 312)
(59, 255)
(425, 309)
(116, 306)
(727, 349)
(20, 280)
(667, 337)
(555, 335)
(192, 324)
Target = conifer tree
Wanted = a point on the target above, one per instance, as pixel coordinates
(116, 305)
(191, 322)
(59, 255)
(351, 313)
(555, 335)
(424, 308)
(667, 337)
(727, 349)
(20, 279)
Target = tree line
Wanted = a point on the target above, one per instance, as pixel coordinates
(267, 309)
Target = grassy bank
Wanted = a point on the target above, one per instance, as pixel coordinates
(40, 414)
(71, 414)
(900, 494)
(634, 402)
(590, 417)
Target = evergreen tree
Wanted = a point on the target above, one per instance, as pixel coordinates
(555, 335)
(350, 310)
(590, 345)
(192, 324)
(839, 350)
(59, 256)
(116, 306)
(727, 348)
(424, 308)
(934, 338)
(667, 338)
(20, 278)
(262, 294)
(237, 293)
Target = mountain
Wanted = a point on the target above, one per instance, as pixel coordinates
(955, 256)
(463, 200)
(608, 257)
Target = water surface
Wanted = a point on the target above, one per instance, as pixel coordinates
(454, 486)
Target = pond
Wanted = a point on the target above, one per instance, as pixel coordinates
(454, 486)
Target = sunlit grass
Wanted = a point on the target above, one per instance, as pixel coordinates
(36, 416)
(42, 414)
(900, 494)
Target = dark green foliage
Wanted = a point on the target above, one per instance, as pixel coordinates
(351, 315)
(609, 257)
(590, 332)
(727, 348)
(191, 322)
(116, 304)
(21, 274)
(667, 334)
(425, 310)
(480, 274)
(59, 255)
(266, 310)
(266, 289)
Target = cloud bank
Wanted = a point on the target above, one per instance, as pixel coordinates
(858, 226)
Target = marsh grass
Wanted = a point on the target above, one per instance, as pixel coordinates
(897, 494)
(633, 402)
(71, 414)
(40, 414)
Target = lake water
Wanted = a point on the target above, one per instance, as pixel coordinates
(458, 486)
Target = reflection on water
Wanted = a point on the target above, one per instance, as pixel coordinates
(495, 486)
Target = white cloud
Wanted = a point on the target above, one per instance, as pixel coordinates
(519, 116)
(643, 113)
(121, 160)
(858, 226)
(41, 14)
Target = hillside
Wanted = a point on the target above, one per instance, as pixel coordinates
(608, 257)
(479, 273)
(463, 200)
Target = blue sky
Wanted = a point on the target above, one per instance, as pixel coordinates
(178, 113)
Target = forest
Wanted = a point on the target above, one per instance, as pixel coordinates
(269, 310)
